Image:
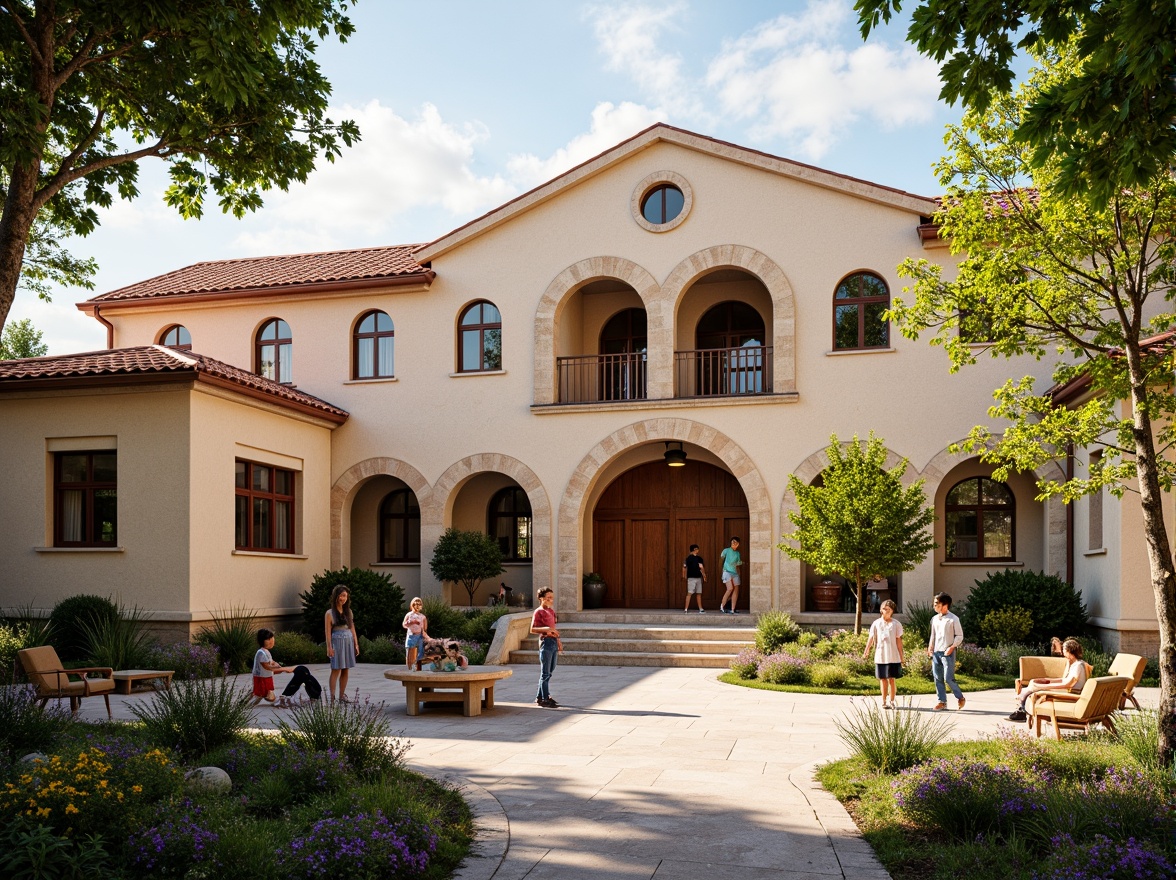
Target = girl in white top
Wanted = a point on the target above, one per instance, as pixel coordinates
(1073, 680)
(886, 634)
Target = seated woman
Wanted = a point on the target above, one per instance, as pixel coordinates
(1073, 680)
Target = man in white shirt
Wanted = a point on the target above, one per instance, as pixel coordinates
(946, 636)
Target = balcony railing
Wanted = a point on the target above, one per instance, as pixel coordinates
(723, 372)
(598, 378)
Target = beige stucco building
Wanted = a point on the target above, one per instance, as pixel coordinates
(530, 374)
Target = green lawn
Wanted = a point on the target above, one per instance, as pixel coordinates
(860, 685)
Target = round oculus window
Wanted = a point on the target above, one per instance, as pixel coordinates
(662, 204)
(661, 201)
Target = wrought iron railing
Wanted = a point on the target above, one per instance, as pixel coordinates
(597, 378)
(723, 372)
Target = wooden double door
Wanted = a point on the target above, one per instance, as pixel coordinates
(645, 522)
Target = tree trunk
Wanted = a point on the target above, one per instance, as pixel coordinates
(857, 617)
(1159, 554)
(15, 223)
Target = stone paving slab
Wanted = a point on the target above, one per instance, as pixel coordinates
(661, 773)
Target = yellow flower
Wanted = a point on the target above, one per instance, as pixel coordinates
(70, 808)
(137, 789)
(43, 813)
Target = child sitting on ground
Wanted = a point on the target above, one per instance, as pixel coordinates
(453, 661)
(264, 669)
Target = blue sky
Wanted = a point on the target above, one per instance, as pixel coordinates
(465, 104)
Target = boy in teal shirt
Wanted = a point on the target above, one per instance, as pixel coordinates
(731, 561)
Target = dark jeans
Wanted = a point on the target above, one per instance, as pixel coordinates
(548, 654)
(301, 677)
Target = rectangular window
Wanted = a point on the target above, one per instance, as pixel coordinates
(85, 499)
(264, 509)
(1095, 511)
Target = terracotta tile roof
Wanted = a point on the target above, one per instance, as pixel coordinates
(268, 273)
(156, 360)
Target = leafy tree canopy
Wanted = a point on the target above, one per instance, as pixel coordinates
(21, 340)
(466, 558)
(1108, 123)
(859, 520)
(1088, 286)
(227, 92)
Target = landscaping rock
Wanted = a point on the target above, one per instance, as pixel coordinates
(209, 777)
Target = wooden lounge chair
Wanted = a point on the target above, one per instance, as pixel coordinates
(1131, 666)
(1096, 704)
(52, 680)
(1039, 667)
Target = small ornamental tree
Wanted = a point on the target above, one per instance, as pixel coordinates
(860, 520)
(466, 558)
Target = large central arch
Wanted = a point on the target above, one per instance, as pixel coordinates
(573, 507)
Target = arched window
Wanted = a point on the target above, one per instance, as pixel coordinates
(176, 336)
(980, 521)
(662, 204)
(480, 338)
(730, 343)
(274, 351)
(623, 343)
(858, 307)
(374, 348)
(400, 527)
(510, 523)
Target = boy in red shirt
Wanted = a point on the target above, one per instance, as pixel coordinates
(543, 625)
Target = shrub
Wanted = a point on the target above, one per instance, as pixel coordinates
(1140, 734)
(1001, 625)
(466, 558)
(782, 669)
(1006, 659)
(965, 799)
(918, 663)
(375, 848)
(1102, 857)
(775, 629)
(27, 727)
(445, 621)
(918, 620)
(474, 652)
(12, 639)
(855, 664)
(358, 731)
(186, 660)
(303, 773)
(746, 663)
(196, 716)
(890, 741)
(180, 841)
(377, 601)
(807, 639)
(68, 617)
(479, 624)
(846, 641)
(384, 651)
(120, 642)
(1054, 605)
(292, 648)
(30, 849)
(828, 675)
(234, 634)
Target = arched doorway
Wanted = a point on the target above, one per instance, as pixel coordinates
(645, 522)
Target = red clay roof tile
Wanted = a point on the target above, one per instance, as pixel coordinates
(157, 359)
(263, 273)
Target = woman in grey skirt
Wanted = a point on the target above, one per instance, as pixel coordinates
(342, 642)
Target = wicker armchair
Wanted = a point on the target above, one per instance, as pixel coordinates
(52, 680)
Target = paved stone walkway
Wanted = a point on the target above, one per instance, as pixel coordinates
(648, 773)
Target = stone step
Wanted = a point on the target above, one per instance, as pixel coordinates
(644, 632)
(628, 658)
(663, 617)
(727, 647)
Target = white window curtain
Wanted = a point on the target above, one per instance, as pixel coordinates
(71, 515)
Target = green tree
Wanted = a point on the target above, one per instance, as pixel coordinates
(466, 558)
(859, 520)
(21, 340)
(227, 92)
(1087, 286)
(1108, 123)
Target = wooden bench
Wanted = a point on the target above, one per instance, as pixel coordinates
(473, 687)
(124, 679)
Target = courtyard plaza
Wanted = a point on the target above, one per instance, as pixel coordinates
(644, 772)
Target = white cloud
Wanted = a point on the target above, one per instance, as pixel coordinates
(611, 124)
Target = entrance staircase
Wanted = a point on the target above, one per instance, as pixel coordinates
(647, 638)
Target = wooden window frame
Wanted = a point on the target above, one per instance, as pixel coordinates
(88, 488)
(493, 517)
(273, 496)
(405, 520)
(375, 336)
(659, 191)
(176, 346)
(980, 507)
(480, 329)
(277, 342)
(860, 301)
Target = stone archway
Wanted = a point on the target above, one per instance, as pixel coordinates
(343, 492)
(444, 495)
(735, 256)
(564, 285)
(790, 597)
(573, 505)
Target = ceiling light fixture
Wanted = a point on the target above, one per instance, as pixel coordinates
(675, 455)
